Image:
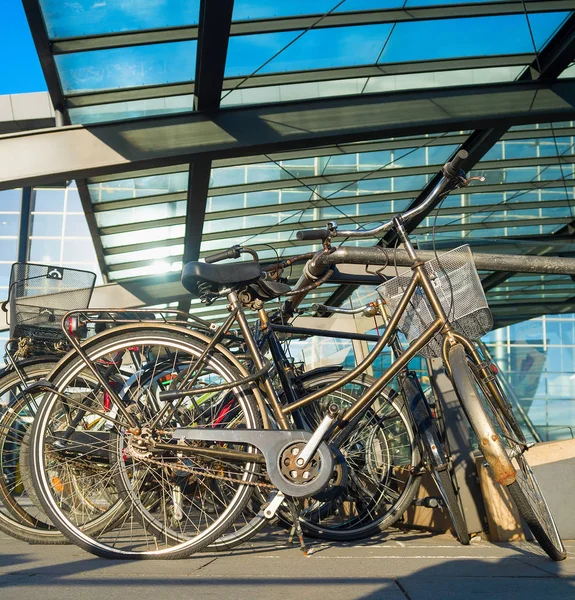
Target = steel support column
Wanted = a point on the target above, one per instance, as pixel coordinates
(214, 33)
(25, 225)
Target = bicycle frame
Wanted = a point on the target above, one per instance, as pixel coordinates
(420, 280)
(261, 367)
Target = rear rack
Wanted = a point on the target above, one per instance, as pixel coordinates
(118, 316)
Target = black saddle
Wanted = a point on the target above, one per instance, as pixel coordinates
(224, 275)
(233, 275)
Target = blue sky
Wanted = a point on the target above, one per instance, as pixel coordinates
(20, 70)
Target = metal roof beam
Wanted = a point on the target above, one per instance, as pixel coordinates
(556, 56)
(43, 48)
(214, 31)
(85, 151)
(88, 208)
(299, 22)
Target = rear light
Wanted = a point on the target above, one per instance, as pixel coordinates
(75, 327)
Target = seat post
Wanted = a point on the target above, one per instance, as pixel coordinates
(235, 304)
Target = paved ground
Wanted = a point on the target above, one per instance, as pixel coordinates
(397, 566)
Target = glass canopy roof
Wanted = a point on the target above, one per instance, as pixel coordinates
(118, 60)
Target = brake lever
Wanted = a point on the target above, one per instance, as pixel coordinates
(466, 181)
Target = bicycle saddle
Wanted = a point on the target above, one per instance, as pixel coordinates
(224, 275)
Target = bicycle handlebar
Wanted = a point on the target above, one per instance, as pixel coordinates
(452, 168)
(451, 173)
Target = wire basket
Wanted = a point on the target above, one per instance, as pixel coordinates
(458, 287)
(40, 295)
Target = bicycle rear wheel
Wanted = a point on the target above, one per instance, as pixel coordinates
(381, 457)
(172, 503)
(488, 410)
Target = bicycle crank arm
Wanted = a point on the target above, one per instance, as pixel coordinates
(279, 449)
(273, 506)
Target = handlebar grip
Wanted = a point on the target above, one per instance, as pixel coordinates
(452, 168)
(233, 252)
(313, 234)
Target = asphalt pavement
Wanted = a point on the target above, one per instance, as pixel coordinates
(398, 565)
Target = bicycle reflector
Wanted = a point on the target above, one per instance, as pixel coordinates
(75, 327)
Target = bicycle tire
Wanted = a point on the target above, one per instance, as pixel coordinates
(21, 518)
(443, 480)
(372, 509)
(485, 412)
(146, 530)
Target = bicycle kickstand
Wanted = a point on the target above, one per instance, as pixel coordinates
(296, 527)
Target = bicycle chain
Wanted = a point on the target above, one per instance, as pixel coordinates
(182, 467)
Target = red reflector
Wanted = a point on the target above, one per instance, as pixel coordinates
(494, 368)
(69, 325)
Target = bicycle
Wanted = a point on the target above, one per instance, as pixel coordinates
(210, 466)
(39, 296)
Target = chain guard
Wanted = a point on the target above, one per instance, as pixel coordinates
(271, 443)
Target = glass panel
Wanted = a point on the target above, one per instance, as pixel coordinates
(157, 268)
(346, 87)
(87, 17)
(49, 200)
(316, 49)
(138, 187)
(394, 83)
(76, 226)
(5, 269)
(469, 37)
(369, 44)
(133, 66)
(48, 225)
(331, 165)
(248, 9)
(8, 249)
(10, 200)
(9, 224)
(141, 214)
(140, 237)
(132, 110)
(151, 254)
(78, 252)
(45, 251)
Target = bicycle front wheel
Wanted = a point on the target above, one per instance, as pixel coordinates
(172, 502)
(488, 409)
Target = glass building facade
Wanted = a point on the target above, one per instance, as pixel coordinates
(57, 234)
(538, 358)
